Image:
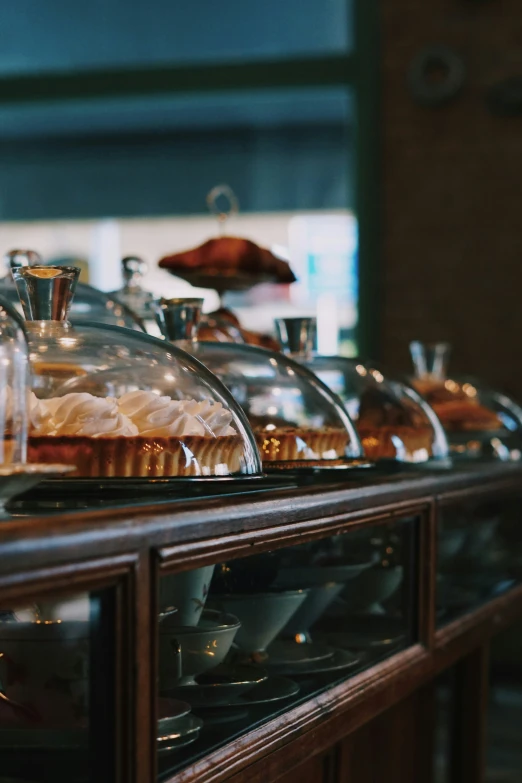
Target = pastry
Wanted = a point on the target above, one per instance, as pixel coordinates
(409, 444)
(391, 431)
(140, 434)
(457, 410)
(290, 444)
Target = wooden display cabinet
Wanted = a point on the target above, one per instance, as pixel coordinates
(373, 723)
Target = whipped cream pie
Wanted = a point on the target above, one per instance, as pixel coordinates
(138, 434)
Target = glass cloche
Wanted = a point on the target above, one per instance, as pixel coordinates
(479, 422)
(297, 421)
(89, 305)
(14, 386)
(116, 402)
(393, 421)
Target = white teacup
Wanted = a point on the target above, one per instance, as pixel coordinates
(187, 593)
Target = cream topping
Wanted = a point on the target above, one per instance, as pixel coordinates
(135, 413)
(215, 418)
(80, 414)
(159, 416)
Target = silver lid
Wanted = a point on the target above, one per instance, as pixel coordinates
(46, 292)
(178, 319)
(296, 335)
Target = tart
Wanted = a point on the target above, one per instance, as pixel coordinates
(140, 456)
(140, 434)
(410, 444)
(457, 410)
(291, 444)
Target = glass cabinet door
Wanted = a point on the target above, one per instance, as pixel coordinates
(245, 640)
(57, 689)
(479, 554)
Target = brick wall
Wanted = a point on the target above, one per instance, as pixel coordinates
(452, 189)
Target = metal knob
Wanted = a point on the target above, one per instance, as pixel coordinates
(133, 268)
(46, 292)
(14, 259)
(178, 319)
(296, 335)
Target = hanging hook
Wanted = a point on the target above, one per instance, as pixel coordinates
(226, 192)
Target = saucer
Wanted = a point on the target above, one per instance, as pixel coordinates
(287, 652)
(186, 727)
(172, 709)
(221, 685)
(174, 745)
(173, 716)
(273, 689)
(340, 659)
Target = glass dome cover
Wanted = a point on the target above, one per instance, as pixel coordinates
(116, 402)
(479, 421)
(393, 422)
(297, 421)
(89, 304)
(14, 386)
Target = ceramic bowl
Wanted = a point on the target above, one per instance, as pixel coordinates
(45, 666)
(262, 615)
(186, 651)
(371, 588)
(187, 593)
(312, 608)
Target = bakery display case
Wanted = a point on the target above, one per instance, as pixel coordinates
(89, 305)
(393, 421)
(297, 421)
(120, 404)
(479, 422)
(261, 634)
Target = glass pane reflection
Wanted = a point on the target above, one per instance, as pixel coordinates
(243, 641)
(479, 554)
(49, 650)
